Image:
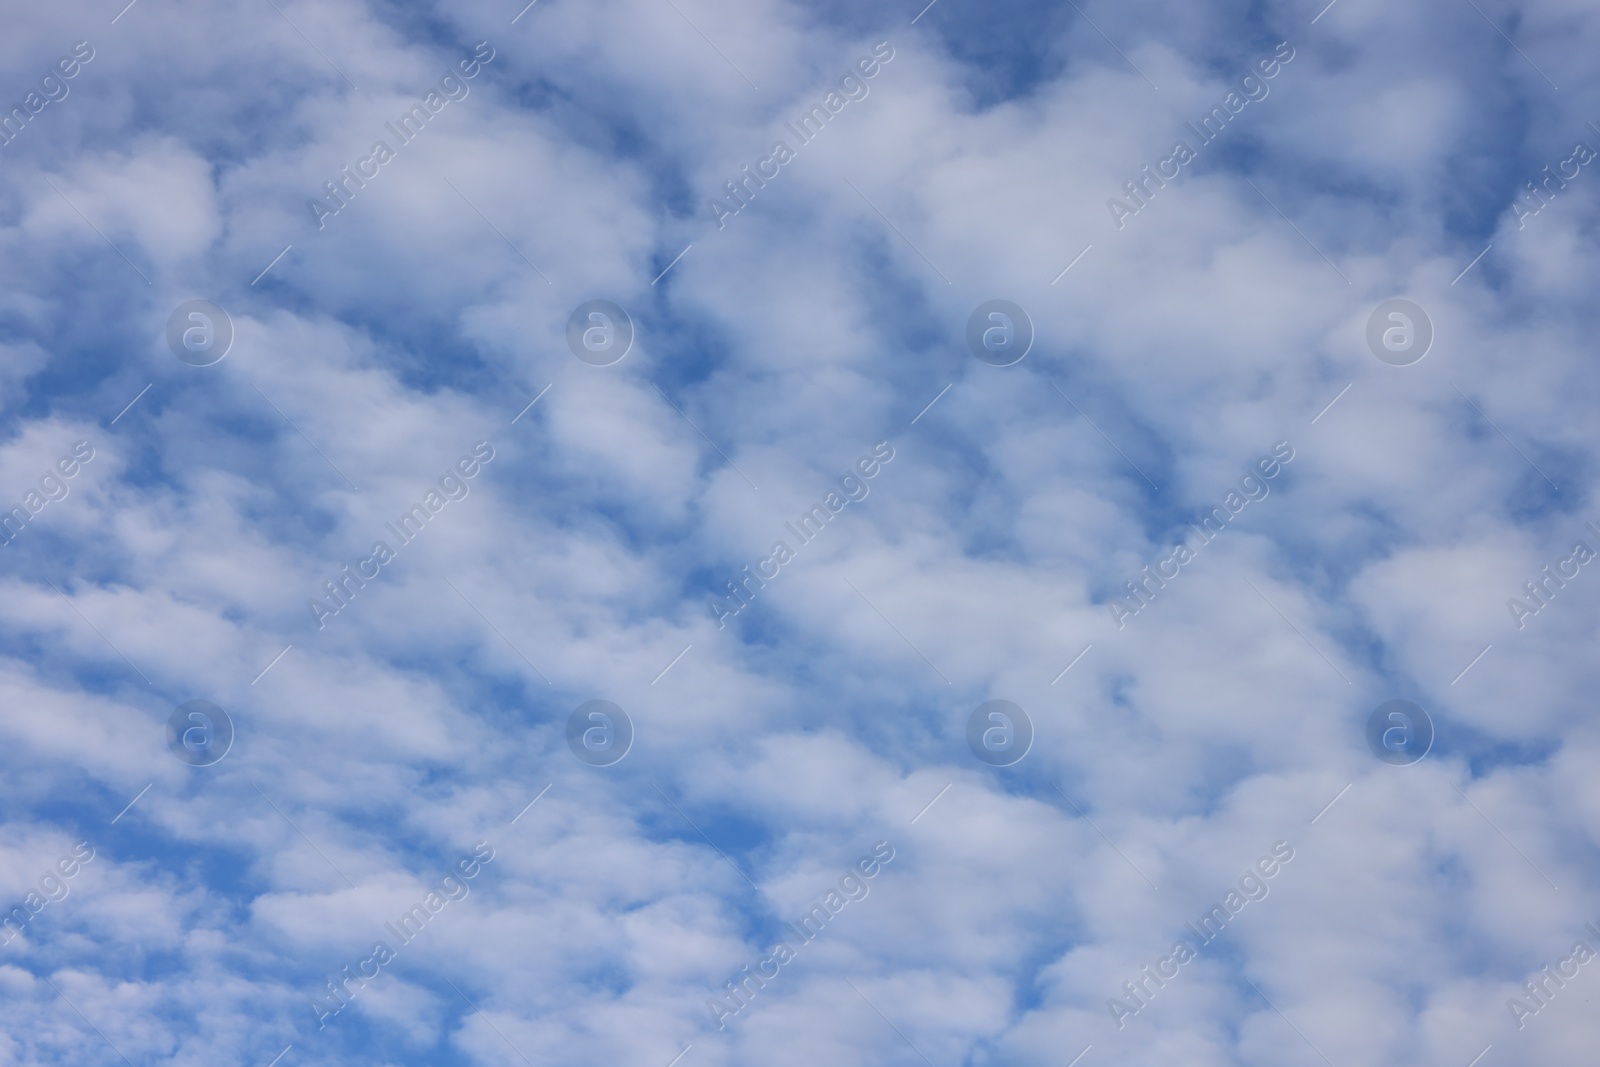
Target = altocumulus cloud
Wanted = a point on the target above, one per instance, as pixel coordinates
(1443, 870)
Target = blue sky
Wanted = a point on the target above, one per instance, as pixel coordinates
(1389, 158)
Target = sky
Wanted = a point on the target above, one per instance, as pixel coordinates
(681, 534)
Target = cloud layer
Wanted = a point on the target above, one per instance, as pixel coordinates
(401, 315)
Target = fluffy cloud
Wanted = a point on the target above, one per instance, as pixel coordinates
(431, 712)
